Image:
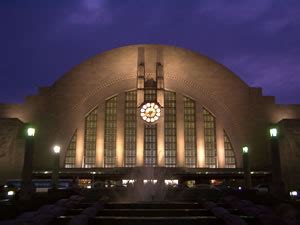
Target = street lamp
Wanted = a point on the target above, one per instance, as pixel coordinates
(30, 132)
(56, 149)
(245, 149)
(27, 186)
(277, 187)
(273, 132)
(55, 173)
(246, 163)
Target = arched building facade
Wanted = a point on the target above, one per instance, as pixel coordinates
(150, 106)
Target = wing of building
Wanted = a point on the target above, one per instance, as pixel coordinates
(150, 106)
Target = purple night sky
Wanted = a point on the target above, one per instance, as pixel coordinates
(259, 40)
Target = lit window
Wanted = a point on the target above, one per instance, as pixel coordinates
(170, 129)
(110, 132)
(71, 152)
(210, 139)
(229, 153)
(90, 139)
(150, 145)
(190, 132)
(150, 133)
(130, 129)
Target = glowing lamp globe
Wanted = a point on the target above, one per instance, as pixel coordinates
(56, 149)
(245, 149)
(30, 132)
(273, 132)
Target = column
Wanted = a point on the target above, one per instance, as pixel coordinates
(161, 140)
(161, 129)
(220, 144)
(80, 145)
(246, 164)
(180, 130)
(120, 130)
(100, 136)
(277, 186)
(26, 185)
(200, 136)
(139, 131)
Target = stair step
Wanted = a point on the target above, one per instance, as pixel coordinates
(191, 220)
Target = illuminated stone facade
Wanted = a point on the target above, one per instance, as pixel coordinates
(206, 113)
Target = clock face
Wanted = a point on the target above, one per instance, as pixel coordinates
(150, 112)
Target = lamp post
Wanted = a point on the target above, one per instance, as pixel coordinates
(55, 172)
(277, 186)
(27, 186)
(246, 163)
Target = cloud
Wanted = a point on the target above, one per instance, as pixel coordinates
(90, 12)
(236, 11)
(268, 16)
(287, 15)
(275, 73)
(275, 25)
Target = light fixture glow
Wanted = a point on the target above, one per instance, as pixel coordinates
(150, 112)
(273, 132)
(56, 149)
(245, 149)
(150, 181)
(10, 193)
(30, 132)
(126, 182)
(171, 182)
(293, 193)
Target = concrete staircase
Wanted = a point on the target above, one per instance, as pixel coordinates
(154, 213)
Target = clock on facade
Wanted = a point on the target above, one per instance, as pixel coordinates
(150, 112)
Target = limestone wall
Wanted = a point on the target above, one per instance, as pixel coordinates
(290, 152)
(57, 111)
(11, 148)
